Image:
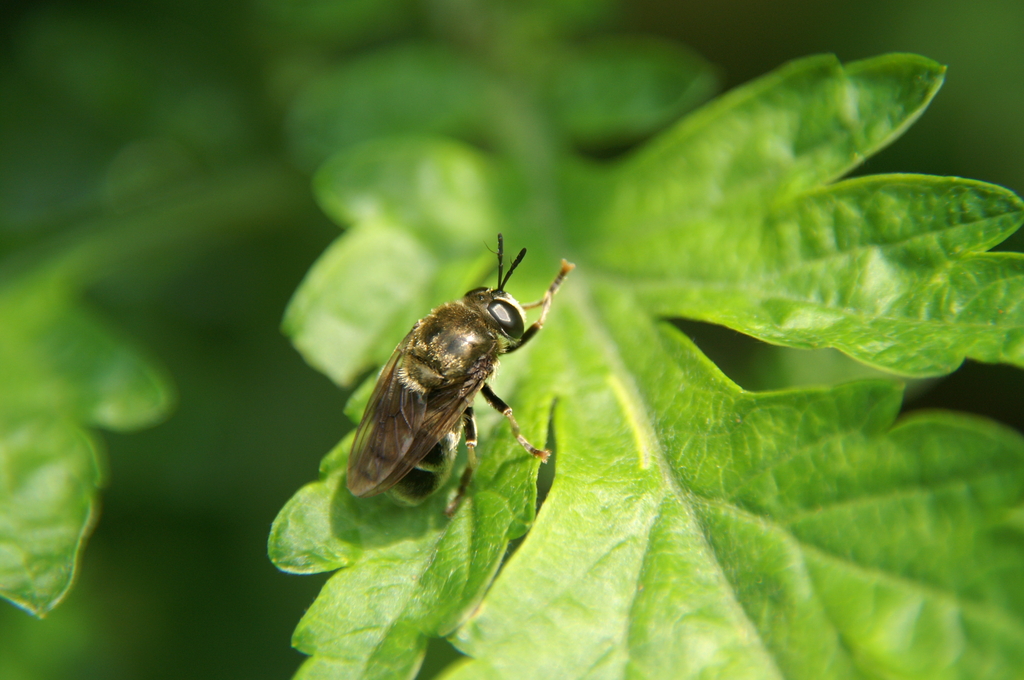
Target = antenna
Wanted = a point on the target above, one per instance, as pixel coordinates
(501, 263)
(501, 259)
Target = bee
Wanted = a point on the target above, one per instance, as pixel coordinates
(405, 444)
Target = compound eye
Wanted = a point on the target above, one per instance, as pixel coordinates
(508, 318)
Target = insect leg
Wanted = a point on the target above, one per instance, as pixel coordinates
(544, 303)
(495, 401)
(469, 424)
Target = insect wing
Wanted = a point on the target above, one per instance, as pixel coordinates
(445, 406)
(393, 417)
(401, 426)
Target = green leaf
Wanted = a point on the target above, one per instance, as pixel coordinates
(700, 529)
(49, 480)
(61, 370)
(618, 91)
(57, 357)
(693, 529)
(438, 191)
(416, 88)
(128, 81)
(887, 269)
(408, 574)
(352, 22)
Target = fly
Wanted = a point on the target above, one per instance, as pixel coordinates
(406, 443)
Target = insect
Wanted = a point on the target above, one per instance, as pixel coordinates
(423, 401)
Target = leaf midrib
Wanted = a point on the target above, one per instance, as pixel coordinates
(583, 297)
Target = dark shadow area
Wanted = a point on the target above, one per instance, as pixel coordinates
(379, 521)
(440, 654)
(734, 353)
(992, 391)
(995, 392)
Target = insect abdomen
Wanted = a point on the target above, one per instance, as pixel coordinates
(429, 474)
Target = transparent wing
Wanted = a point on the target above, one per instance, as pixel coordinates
(400, 426)
(390, 422)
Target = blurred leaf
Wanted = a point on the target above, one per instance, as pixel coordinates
(51, 166)
(49, 480)
(130, 79)
(61, 370)
(98, 93)
(142, 169)
(439, 190)
(618, 91)
(414, 88)
(333, 23)
(56, 356)
(693, 529)
(93, 65)
(774, 367)
(64, 370)
(566, 16)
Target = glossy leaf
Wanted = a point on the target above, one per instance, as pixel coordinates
(418, 577)
(887, 269)
(694, 529)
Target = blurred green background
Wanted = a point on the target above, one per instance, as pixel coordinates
(112, 113)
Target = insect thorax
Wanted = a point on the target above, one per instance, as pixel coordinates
(453, 343)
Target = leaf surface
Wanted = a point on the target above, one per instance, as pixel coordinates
(411, 89)
(731, 534)
(729, 222)
(62, 371)
(693, 529)
(618, 91)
